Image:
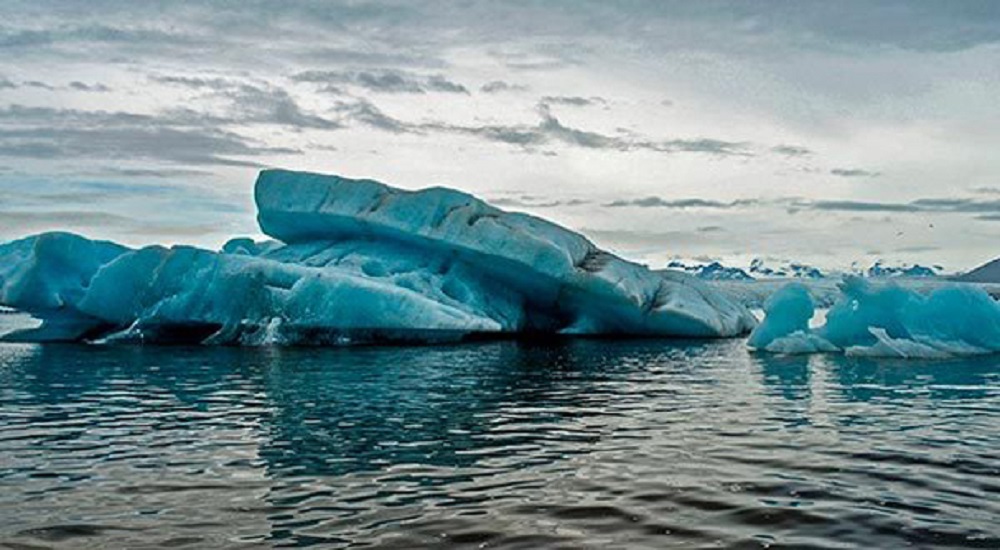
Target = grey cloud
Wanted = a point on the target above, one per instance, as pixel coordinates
(791, 150)
(166, 144)
(551, 129)
(916, 25)
(574, 101)
(331, 89)
(84, 87)
(214, 83)
(21, 223)
(387, 81)
(854, 173)
(530, 201)
(530, 63)
(439, 83)
(55, 192)
(916, 249)
(860, 206)
(149, 172)
(368, 58)
(498, 86)
(658, 202)
(46, 133)
(76, 86)
(38, 38)
(989, 217)
(958, 205)
(720, 25)
(548, 131)
(272, 105)
(38, 84)
(966, 206)
(710, 229)
(925, 205)
(250, 103)
(365, 112)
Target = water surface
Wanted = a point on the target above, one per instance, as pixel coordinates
(580, 443)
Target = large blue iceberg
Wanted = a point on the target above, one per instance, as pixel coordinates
(883, 320)
(355, 261)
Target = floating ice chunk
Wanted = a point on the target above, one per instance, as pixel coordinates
(787, 311)
(357, 261)
(885, 320)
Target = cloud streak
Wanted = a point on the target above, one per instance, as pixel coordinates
(681, 204)
(854, 173)
(500, 86)
(985, 208)
(384, 81)
(548, 131)
(59, 134)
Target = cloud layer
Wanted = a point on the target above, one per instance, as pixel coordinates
(704, 127)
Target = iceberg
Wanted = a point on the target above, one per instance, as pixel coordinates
(883, 320)
(355, 261)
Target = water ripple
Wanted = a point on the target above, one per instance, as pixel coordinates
(639, 444)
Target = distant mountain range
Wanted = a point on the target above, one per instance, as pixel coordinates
(797, 270)
(716, 271)
(879, 269)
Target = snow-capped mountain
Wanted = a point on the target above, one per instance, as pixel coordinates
(880, 269)
(713, 271)
(791, 269)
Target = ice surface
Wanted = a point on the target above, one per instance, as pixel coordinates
(788, 312)
(47, 275)
(356, 261)
(885, 320)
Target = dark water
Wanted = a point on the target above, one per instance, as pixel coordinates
(594, 444)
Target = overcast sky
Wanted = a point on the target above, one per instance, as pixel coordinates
(824, 132)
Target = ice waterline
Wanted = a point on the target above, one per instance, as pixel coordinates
(355, 261)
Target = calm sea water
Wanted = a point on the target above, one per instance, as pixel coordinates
(586, 443)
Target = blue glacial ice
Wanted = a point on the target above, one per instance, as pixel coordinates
(883, 320)
(356, 261)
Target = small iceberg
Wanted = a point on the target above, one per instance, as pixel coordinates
(355, 261)
(883, 320)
